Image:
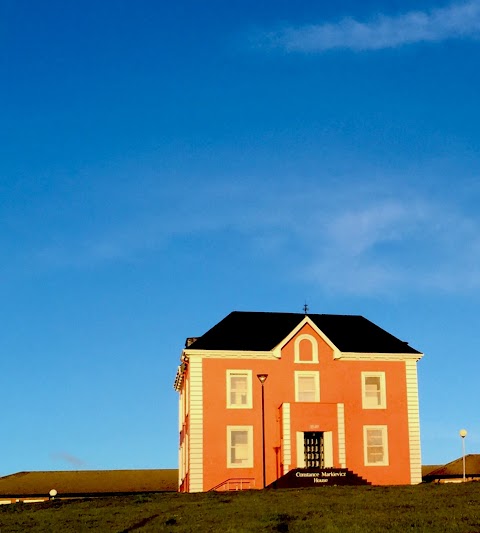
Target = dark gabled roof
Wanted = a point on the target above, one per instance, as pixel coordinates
(88, 482)
(254, 331)
(455, 468)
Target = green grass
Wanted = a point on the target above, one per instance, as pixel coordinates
(451, 507)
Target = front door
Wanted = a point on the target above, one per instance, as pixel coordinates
(313, 449)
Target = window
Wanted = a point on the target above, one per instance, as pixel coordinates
(307, 386)
(373, 390)
(306, 349)
(239, 446)
(375, 444)
(239, 389)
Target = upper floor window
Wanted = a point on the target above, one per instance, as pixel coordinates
(373, 390)
(239, 389)
(307, 386)
(239, 446)
(375, 445)
(306, 349)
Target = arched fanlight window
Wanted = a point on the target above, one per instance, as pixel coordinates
(306, 349)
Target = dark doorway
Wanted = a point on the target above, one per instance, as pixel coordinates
(313, 449)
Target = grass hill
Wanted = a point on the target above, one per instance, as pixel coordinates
(429, 507)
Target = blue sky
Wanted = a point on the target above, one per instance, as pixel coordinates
(165, 163)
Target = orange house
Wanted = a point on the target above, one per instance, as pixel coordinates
(265, 394)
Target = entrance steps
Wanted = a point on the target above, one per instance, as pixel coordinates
(317, 477)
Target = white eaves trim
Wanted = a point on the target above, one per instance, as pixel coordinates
(229, 354)
(360, 356)
(277, 350)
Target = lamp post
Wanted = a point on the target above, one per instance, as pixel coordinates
(262, 378)
(463, 434)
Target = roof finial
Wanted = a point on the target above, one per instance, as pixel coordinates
(305, 308)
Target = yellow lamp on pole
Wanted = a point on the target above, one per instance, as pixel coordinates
(463, 434)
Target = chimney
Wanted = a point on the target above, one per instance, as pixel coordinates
(190, 341)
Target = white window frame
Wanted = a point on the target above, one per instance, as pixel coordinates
(248, 375)
(384, 431)
(313, 342)
(383, 390)
(307, 373)
(249, 461)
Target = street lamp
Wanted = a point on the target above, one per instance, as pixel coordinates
(463, 434)
(262, 378)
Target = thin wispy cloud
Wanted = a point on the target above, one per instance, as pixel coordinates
(459, 20)
(387, 247)
(68, 458)
(356, 240)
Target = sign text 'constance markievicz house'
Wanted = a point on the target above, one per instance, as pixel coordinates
(287, 399)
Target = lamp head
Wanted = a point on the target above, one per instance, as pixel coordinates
(463, 433)
(262, 378)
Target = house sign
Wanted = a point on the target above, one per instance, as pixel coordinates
(317, 477)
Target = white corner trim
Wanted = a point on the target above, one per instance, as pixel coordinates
(195, 459)
(341, 435)
(413, 423)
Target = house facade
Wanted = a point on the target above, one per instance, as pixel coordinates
(338, 392)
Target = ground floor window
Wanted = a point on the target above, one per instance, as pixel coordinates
(239, 446)
(375, 445)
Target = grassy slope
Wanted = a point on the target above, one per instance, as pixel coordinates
(332, 509)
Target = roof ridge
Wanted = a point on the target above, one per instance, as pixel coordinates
(295, 313)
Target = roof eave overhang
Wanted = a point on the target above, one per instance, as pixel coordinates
(229, 354)
(371, 356)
